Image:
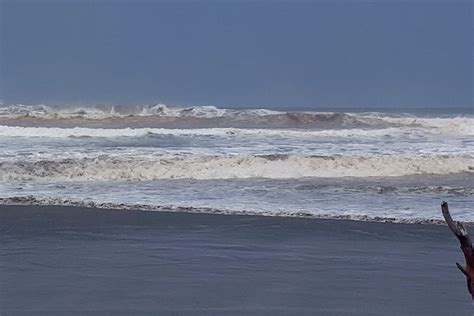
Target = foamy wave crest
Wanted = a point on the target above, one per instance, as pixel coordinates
(161, 115)
(48, 112)
(201, 116)
(461, 125)
(201, 111)
(50, 201)
(19, 110)
(144, 168)
(107, 111)
(57, 132)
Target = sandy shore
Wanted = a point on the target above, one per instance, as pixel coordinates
(56, 260)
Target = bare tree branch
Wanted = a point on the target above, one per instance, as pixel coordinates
(460, 231)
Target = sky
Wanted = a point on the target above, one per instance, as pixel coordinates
(238, 53)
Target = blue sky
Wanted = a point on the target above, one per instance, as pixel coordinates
(247, 53)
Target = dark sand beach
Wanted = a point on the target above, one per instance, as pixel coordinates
(64, 261)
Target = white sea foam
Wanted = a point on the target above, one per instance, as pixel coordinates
(202, 111)
(18, 110)
(103, 111)
(460, 125)
(141, 168)
(52, 201)
(56, 132)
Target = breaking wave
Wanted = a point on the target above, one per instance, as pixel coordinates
(145, 168)
(104, 112)
(58, 132)
(209, 116)
(50, 201)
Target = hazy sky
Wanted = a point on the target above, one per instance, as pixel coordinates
(251, 53)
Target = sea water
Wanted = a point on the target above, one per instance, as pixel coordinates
(359, 165)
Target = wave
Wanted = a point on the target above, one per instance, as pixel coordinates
(79, 132)
(460, 125)
(209, 116)
(145, 168)
(50, 201)
(103, 112)
(389, 189)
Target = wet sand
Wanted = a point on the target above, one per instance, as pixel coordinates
(65, 260)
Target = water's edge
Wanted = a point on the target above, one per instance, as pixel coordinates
(31, 201)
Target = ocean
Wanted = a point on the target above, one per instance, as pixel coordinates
(368, 166)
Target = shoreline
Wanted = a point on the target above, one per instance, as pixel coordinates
(35, 203)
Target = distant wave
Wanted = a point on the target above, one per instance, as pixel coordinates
(50, 201)
(103, 112)
(144, 168)
(189, 116)
(209, 116)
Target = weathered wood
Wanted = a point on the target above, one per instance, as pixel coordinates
(460, 231)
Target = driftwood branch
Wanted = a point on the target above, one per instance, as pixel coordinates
(460, 231)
